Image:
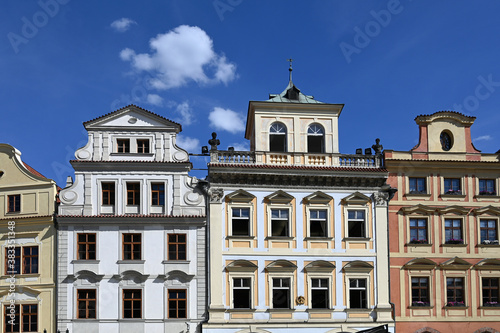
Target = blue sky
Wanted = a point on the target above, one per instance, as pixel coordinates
(63, 62)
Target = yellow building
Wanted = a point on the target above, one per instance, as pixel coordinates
(27, 238)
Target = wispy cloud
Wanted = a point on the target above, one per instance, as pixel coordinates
(122, 24)
(185, 113)
(483, 138)
(187, 143)
(241, 146)
(179, 56)
(155, 99)
(227, 120)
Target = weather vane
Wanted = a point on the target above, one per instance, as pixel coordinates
(290, 69)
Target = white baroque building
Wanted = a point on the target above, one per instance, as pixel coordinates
(131, 231)
(298, 231)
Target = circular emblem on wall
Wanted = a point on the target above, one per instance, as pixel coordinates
(301, 300)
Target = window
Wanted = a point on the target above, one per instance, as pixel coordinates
(143, 146)
(487, 187)
(108, 193)
(455, 292)
(357, 294)
(86, 246)
(86, 303)
(25, 320)
(279, 223)
(319, 294)
(488, 231)
(420, 291)
(157, 194)
(131, 246)
(418, 231)
(177, 302)
(133, 194)
(446, 140)
(318, 223)
(132, 303)
(242, 293)
(281, 293)
(356, 223)
(240, 221)
(452, 186)
(277, 138)
(14, 205)
(177, 247)
(315, 139)
(453, 231)
(417, 185)
(123, 145)
(21, 260)
(490, 291)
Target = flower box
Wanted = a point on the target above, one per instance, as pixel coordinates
(456, 304)
(420, 303)
(486, 193)
(492, 304)
(455, 241)
(418, 241)
(488, 242)
(453, 192)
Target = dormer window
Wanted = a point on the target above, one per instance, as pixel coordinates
(315, 139)
(123, 145)
(277, 138)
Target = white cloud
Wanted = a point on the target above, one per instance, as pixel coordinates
(483, 138)
(187, 143)
(186, 113)
(155, 99)
(122, 24)
(227, 120)
(181, 55)
(241, 146)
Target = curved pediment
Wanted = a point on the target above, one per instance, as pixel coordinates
(240, 196)
(358, 266)
(489, 210)
(453, 209)
(241, 266)
(420, 263)
(279, 197)
(357, 198)
(178, 275)
(488, 264)
(418, 209)
(455, 263)
(88, 275)
(281, 266)
(318, 197)
(320, 266)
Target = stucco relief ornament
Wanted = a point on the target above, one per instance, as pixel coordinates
(381, 198)
(216, 194)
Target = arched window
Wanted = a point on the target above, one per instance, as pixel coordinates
(315, 139)
(277, 137)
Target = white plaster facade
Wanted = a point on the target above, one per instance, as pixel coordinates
(131, 199)
(266, 261)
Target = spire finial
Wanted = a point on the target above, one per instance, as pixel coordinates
(290, 69)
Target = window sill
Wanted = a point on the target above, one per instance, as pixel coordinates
(241, 310)
(357, 310)
(488, 245)
(19, 276)
(360, 239)
(85, 261)
(418, 195)
(318, 310)
(454, 245)
(281, 310)
(486, 307)
(166, 262)
(318, 238)
(130, 262)
(486, 196)
(459, 307)
(419, 244)
(131, 154)
(280, 238)
(458, 196)
(413, 307)
(240, 237)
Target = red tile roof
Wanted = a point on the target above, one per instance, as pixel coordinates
(295, 167)
(455, 112)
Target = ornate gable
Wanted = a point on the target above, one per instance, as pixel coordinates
(240, 196)
(279, 197)
(356, 198)
(318, 198)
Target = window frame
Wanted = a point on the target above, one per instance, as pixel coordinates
(328, 291)
(110, 193)
(177, 300)
(20, 314)
(490, 288)
(485, 191)
(177, 243)
(365, 289)
(232, 279)
(450, 189)
(14, 206)
(135, 190)
(86, 243)
(423, 300)
(23, 270)
(461, 228)
(141, 146)
(365, 222)
(326, 221)
(86, 301)
(417, 191)
(160, 193)
(134, 301)
(133, 243)
(315, 134)
(495, 228)
(289, 288)
(274, 130)
(232, 220)
(288, 219)
(417, 240)
(123, 145)
(454, 288)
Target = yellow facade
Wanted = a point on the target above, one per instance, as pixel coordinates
(27, 238)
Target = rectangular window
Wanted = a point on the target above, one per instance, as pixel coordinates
(133, 194)
(132, 303)
(108, 193)
(14, 204)
(453, 231)
(29, 318)
(12, 324)
(488, 231)
(418, 231)
(452, 186)
(319, 294)
(357, 294)
(86, 244)
(420, 291)
(123, 145)
(490, 291)
(86, 303)
(177, 247)
(242, 293)
(417, 185)
(13, 261)
(455, 291)
(177, 303)
(30, 259)
(131, 246)
(21, 260)
(279, 223)
(318, 226)
(143, 146)
(281, 293)
(356, 223)
(240, 221)
(487, 187)
(157, 194)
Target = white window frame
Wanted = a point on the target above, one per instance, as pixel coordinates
(272, 207)
(326, 208)
(311, 277)
(366, 221)
(156, 209)
(111, 209)
(232, 206)
(233, 276)
(366, 289)
(290, 289)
